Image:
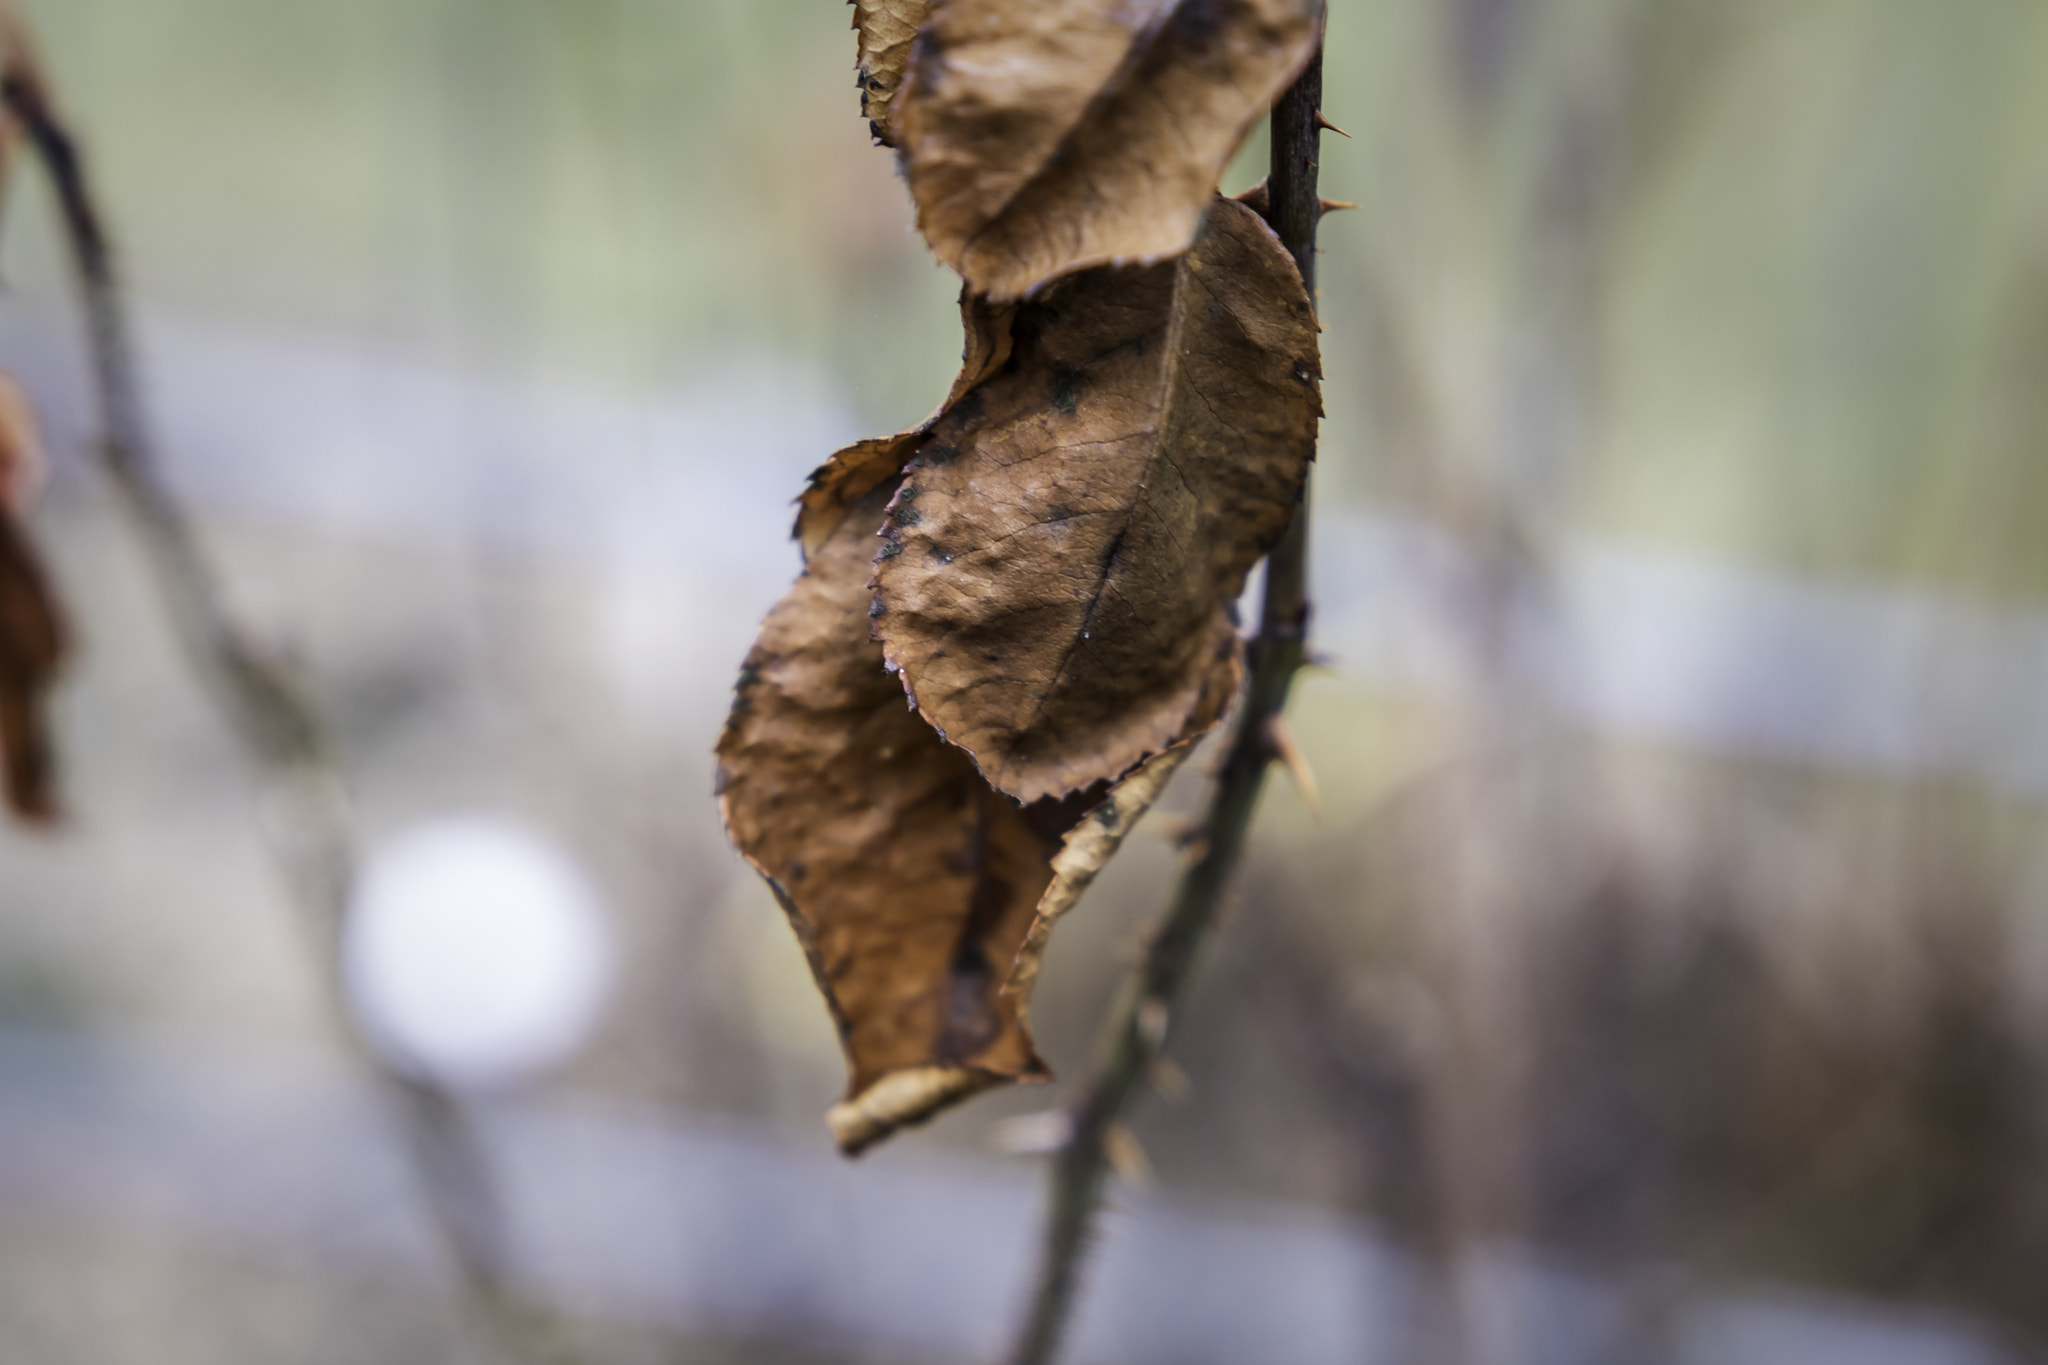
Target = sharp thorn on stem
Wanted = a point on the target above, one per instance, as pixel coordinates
(1328, 126)
(1126, 1156)
(1168, 1080)
(1153, 1017)
(1281, 739)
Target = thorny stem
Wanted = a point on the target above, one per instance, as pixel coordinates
(312, 827)
(1136, 1036)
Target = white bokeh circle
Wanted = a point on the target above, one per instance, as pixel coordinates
(476, 953)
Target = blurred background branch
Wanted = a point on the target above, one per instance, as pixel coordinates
(306, 799)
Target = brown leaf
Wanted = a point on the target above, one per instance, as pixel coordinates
(909, 882)
(886, 29)
(1064, 548)
(850, 474)
(32, 647)
(22, 462)
(1043, 138)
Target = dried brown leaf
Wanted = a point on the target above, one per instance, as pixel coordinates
(886, 29)
(22, 462)
(909, 882)
(1043, 138)
(1061, 556)
(32, 648)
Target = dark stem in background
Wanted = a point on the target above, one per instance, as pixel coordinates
(309, 812)
(1139, 1024)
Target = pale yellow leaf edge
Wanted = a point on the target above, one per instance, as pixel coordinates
(1086, 849)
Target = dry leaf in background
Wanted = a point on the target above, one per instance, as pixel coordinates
(32, 635)
(1060, 557)
(886, 29)
(909, 882)
(22, 463)
(848, 476)
(1042, 138)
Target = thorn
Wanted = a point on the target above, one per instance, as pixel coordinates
(1188, 834)
(1324, 206)
(1289, 753)
(1169, 1080)
(1328, 126)
(1039, 1134)
(1152, 1021)
(1126, 1157)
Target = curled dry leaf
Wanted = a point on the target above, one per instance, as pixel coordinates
(1043, 138)
(1061, 556)
(32, 634)
(911, 884)
(886, 29)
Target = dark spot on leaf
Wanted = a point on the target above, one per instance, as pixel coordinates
(1066, 390)
(940, 456)
(907, 516)
(876, 610)
(1194, 26)
(890, 549)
